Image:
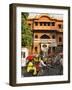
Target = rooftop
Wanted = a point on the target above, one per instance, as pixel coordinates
(51, 16)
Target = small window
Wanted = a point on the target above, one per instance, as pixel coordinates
(53, 36)
(48, 23)
(36, 49)
(29, 24)
(60, 39)
(53, 23)
(60, 26)
(36, 36)
(36, 23)
(44, 23)
(40, 23)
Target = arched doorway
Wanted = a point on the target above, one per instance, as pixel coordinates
(44, 37)
(44, 44)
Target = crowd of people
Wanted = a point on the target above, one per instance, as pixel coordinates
(36, 65)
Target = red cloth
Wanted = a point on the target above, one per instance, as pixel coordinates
(29, 58)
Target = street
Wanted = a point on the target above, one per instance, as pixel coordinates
(46, 71)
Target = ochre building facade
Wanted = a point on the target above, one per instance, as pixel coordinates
(47, 34)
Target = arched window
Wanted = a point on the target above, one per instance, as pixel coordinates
(45, 37)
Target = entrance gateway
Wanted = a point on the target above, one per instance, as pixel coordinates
(47, 44)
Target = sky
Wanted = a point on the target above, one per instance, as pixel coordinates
(56, 16)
